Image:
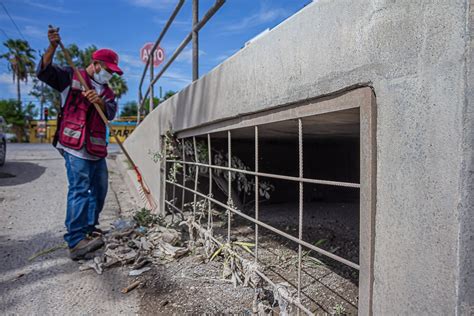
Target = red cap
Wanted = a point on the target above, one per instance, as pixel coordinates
(109, 58)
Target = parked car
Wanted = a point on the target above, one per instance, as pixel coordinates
(3, 141)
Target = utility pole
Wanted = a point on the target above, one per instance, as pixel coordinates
(195, 41)
(42, 108)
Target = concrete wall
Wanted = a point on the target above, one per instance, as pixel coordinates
(417, 57)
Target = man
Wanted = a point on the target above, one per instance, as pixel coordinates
(81, 139)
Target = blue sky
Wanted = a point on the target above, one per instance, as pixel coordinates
(125, 25)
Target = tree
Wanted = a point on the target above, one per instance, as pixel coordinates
(169, 94)
(129, 109)
(17, 116)
(118, 86)
(80, 58)
(21, 62)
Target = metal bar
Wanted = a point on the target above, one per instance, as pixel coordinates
(196, 174)
(261, 274)
(277, 231)
(300, 216)
(229, 182)
(174, 207)
(256, 194)
(195, 41)
(186, 41)
(209, 150)
(184, 173)
(276, 176)
(157, 42)
(152, 94)
(164, 166)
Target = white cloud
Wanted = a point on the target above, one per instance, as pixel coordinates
(132, 61)
(53, 8)
(265, 15)
(34, 31)
(187, 55)
(152, 4)
(179, 23)
(8, 87)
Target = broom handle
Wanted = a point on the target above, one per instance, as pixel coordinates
(97, 107)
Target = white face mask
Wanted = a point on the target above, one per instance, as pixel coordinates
(103, 76)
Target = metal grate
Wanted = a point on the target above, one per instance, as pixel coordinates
(367, 159)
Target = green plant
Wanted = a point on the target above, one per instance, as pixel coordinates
(339, 309)
(145, 218)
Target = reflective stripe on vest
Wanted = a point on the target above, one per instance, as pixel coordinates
(97, 141)
(72, 133)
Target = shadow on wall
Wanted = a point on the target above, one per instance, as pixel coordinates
(16, 173)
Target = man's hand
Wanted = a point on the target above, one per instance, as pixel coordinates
(93, 97)
(53, 36)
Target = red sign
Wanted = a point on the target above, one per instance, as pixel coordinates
(158, 56)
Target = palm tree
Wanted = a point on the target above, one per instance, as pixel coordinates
(118, 86)
(21, 59)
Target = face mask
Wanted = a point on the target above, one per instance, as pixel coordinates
(103, 76)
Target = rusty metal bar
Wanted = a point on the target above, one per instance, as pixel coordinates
(256, 194)
(196, 175)
(157, 42)
(184, 172)
(300, 216)
(229, 182)
(152, 90)
(275, 230)
(209, 150)
(276, 176)
(195, 41)
(217, 5)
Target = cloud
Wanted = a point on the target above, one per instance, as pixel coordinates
(132, 61)
(152, 4)
(8, 87)
(176, 23)
(53, 8)
(34, 31)
(187, 55)
(265, 15)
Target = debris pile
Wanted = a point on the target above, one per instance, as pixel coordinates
(137, 243)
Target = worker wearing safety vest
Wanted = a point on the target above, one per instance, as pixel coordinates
(81, 139)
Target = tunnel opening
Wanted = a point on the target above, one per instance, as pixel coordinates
(311, 176)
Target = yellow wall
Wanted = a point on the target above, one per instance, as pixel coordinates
(50, 130)
(122, 131)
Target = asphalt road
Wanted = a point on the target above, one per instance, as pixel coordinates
(33, 190)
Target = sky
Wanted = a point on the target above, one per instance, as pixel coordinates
(126, 25)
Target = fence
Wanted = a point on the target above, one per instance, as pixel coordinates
(361, 99)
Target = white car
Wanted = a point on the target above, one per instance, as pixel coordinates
(3, 141)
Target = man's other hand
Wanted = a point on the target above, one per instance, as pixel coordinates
(93, 97)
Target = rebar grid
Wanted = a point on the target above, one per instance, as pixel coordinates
(256, 194)
(272, 175)
(273, 229)
(230, 209)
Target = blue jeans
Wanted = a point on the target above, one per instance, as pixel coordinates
(88, 183)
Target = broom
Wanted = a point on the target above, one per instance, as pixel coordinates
(144, 191)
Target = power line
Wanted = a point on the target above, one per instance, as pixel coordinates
(5, 33)
(13, 21)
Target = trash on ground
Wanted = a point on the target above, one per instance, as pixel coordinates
(139, 271)
(131, 287)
